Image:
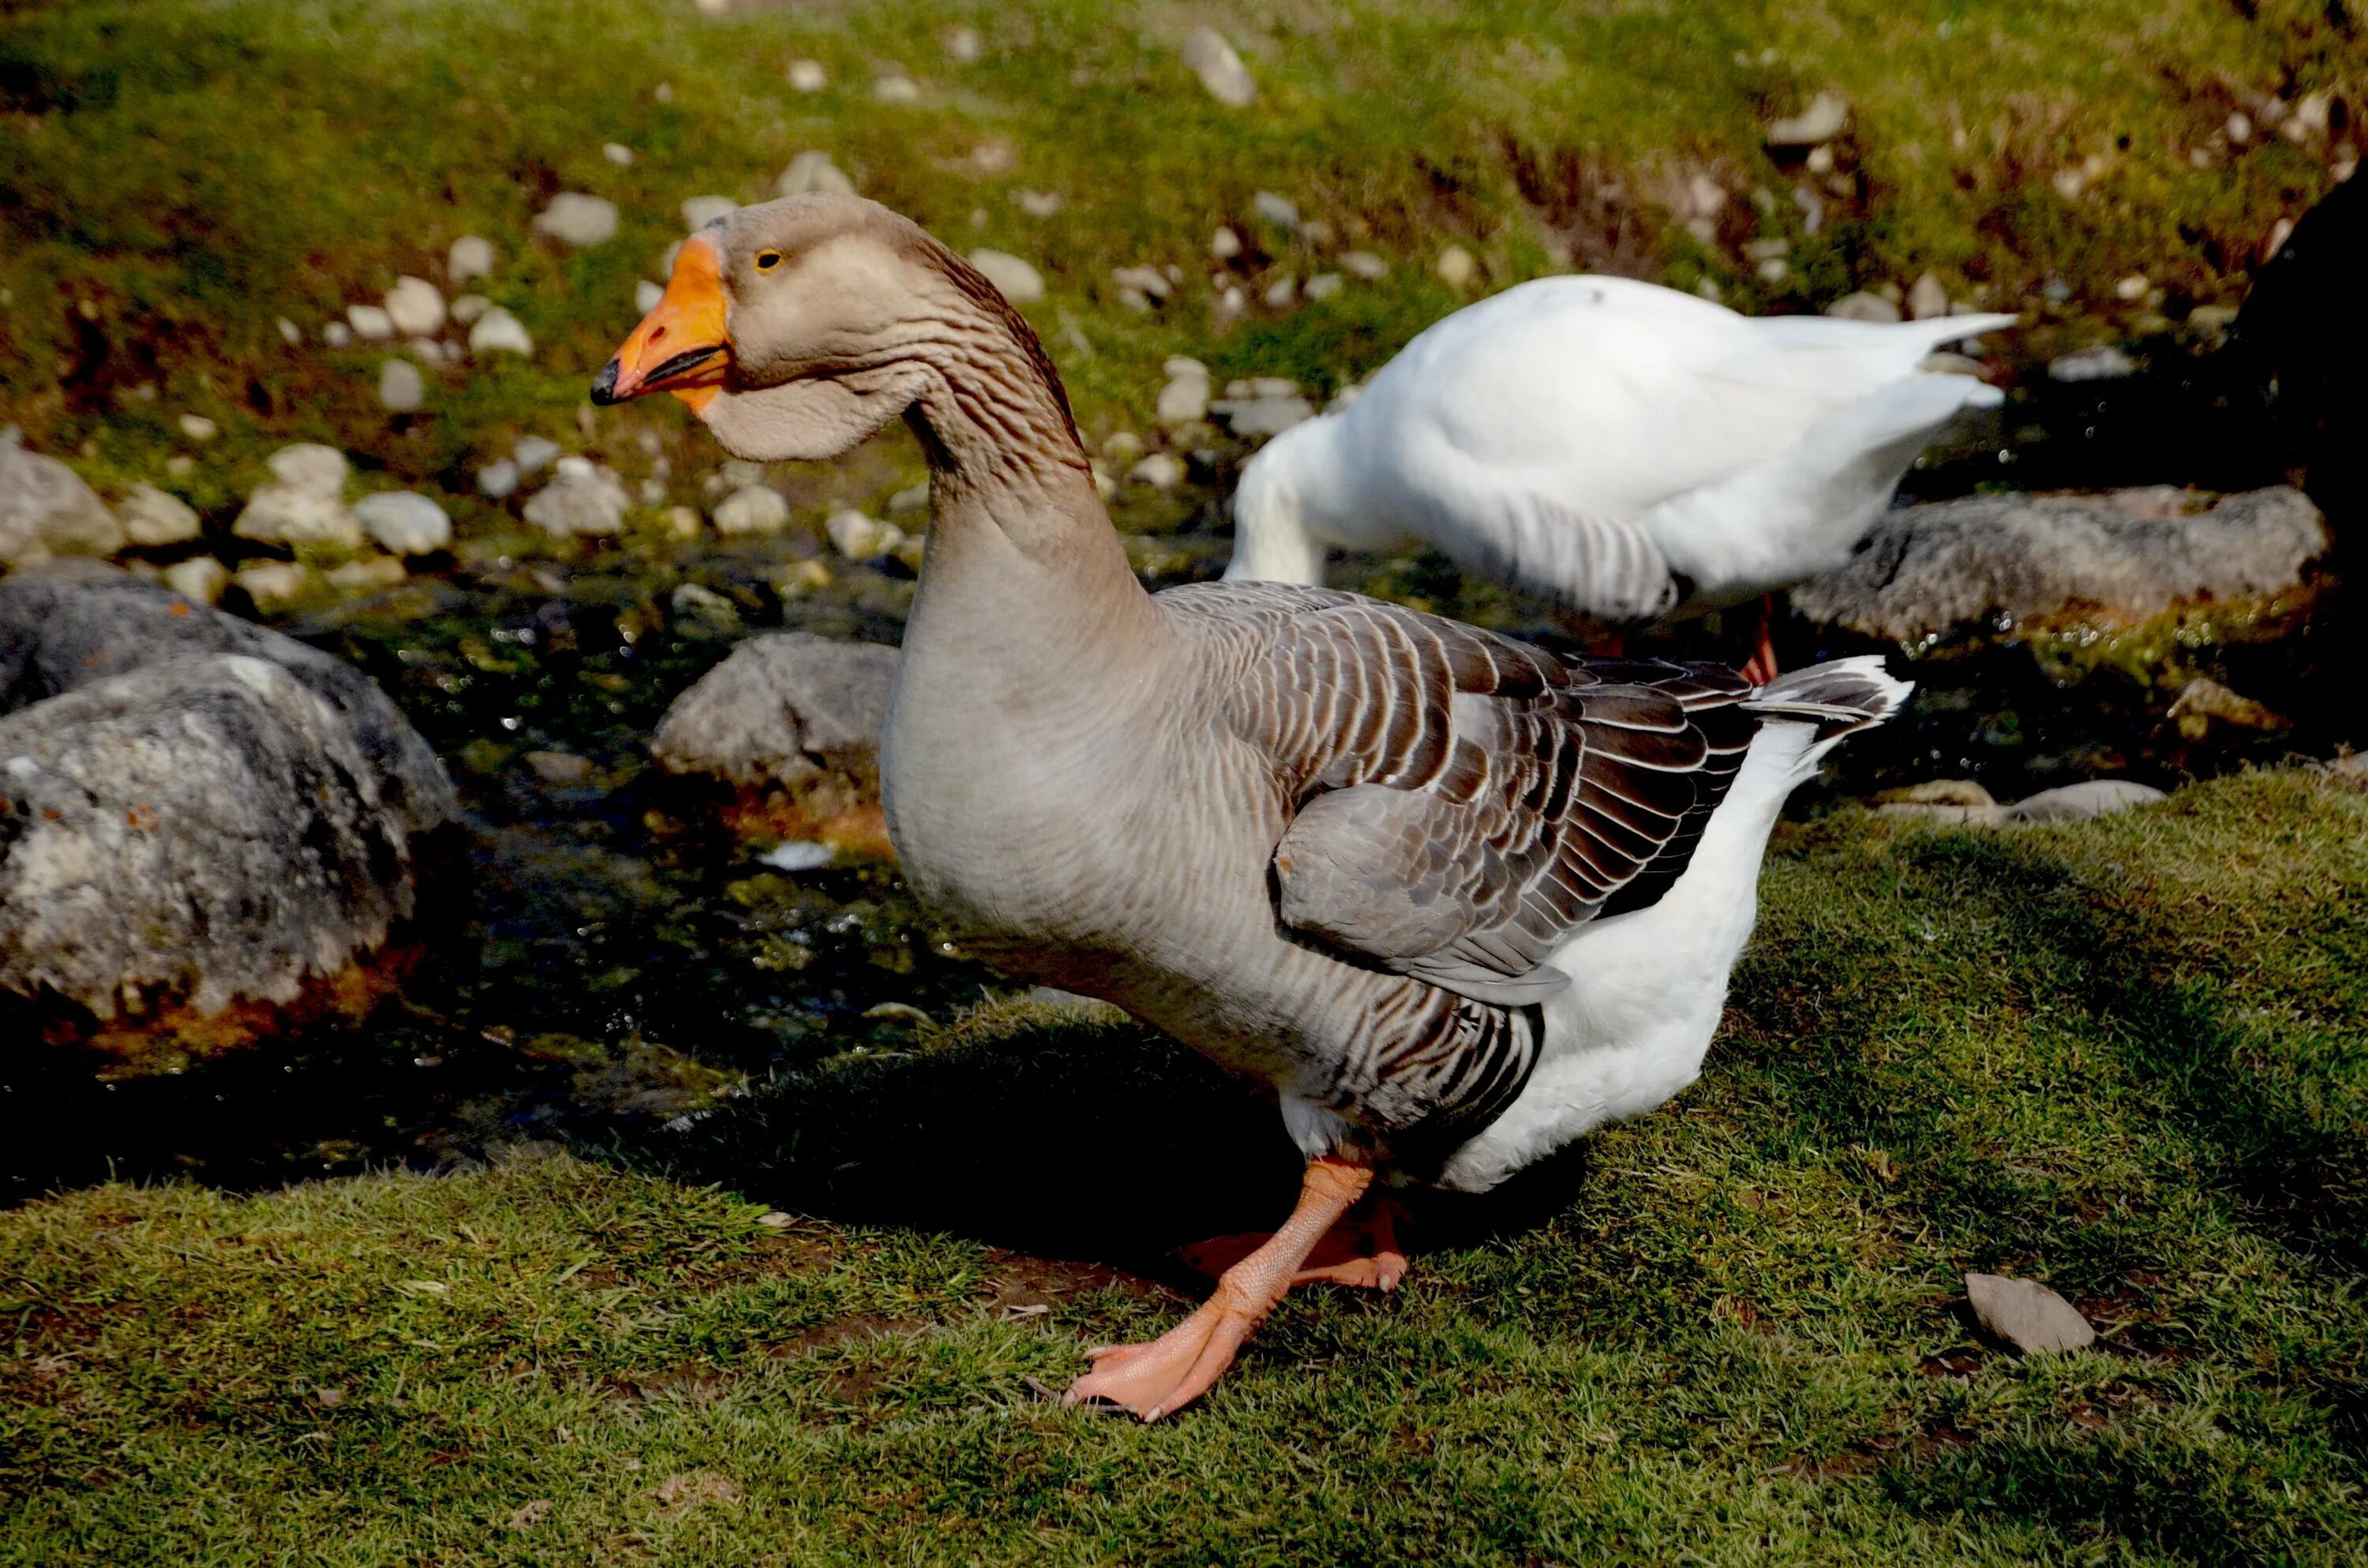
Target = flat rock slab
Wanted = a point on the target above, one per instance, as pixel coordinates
(2026, 1314)
(794, 717)
(1991, 562)
(195, 812)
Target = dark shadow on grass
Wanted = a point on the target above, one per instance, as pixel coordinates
(1047, 1132)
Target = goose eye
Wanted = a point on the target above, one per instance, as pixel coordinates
(768, 259)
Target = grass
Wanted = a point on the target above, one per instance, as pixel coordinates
(2126, 1057)
(178, 175)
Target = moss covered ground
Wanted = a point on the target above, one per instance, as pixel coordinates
(2126, 1057)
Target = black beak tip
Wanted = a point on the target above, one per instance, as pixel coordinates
(604, 385)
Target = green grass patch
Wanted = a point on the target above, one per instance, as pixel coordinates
(2127, 1057)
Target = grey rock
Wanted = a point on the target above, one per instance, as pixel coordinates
(534, 453)
(405, 522)
(808, 76)
(1255, 419)
(1211, 57)
(1364, 264)
(758, 509)
(498, 332)
(273, 584)
(416, 306)
(1822, 121)
(1019, 282)
(154, 517)
(201, 578)
(2026, 1314)
(812, 170)
(467, 308)
(401, 388)
(1927, 298)
(198, 429)
(2078, 802)
(1996, 561)
(699, 211)
(196, 809)
(1280, 210)
(575, 219)
(470, 256)
(46, 509)
(788, 710)
(580, 500)
(497, 480)
(336, 335)
(2106, 364)
(693, 601)
(1863, 306)
(369, 323)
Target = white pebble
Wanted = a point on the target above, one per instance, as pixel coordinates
(808, 76)
(369, 323)
(198, 429)
(758, 509)
(647, 295)
(1455, 268)
(401, 388)
(812, 170)
(416, 306)
(1015, 278)
(498, 332)
(469, 256)
(618, 154)
(700, 210)
(575, 219)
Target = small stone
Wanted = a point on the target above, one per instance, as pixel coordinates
(2198, 702)
(416, 306)
(2106, 364)
(1224, 244)
(1280, 210)
(1282, 292)
(370, 322)
(336, 335)
(1254, 418)
(759, 509)
(1455, 268)
(271, 583)
(680, 522)
(289, 333)
(1161, 471)
(198, 429)
(2134, 287)
(1315, 231)
(1037, 203)
(469, 307)
(496, 480)
(575, 219)
(1018, 281)
(180, 465)
(560, 767)
(646, 295)
(964, 46)
(1938, 792)
(912, 498)
(808, 76)
(152, 516)
(470, 256)
(2240, 128)
(1821, 160)
(1323, 286)
(405, 522)
(580, 500)
(311, 467)
(1927, 298)
(427, 350)
(1863, 306)
(2078, 802)
(1822, 121)
(812, 170)
(860, 538)
(2026, 1314)
(202, 578)
(534, 453)
(700, 210)
(1184, 401)
(2211, 322)
(895, 88)
(401, 388)
(498, 332)
(370, 576)
(618, 154)
(1211, 57)
(1364, 264)
(1147, 280)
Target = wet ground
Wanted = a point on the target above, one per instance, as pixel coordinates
(602, 960)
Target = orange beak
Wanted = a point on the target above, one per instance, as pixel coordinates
(684, 345)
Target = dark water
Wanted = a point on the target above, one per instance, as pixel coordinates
(604, 961)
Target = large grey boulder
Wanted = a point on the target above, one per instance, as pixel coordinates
(46, 509)
(796, 718)
(1990, 561)
(194, 811)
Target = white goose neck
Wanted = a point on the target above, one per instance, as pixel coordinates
(1274, 540)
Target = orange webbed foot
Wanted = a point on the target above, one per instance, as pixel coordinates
(1161, 1376)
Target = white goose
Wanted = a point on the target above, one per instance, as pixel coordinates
(1458, 900)
(1627, 451)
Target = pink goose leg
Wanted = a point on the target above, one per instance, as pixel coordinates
(1166, 1374)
